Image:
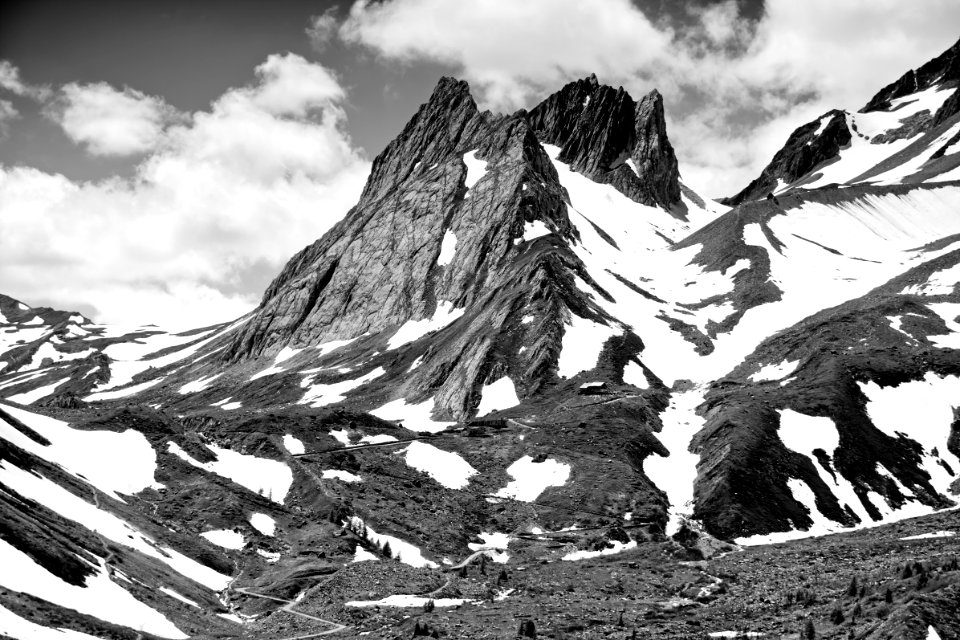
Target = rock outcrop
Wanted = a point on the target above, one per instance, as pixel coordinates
(607, 136)
(807, 147)
(455, 180)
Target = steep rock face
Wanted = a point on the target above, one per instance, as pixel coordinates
(439, 232)
(602, 132)
(806, 148)
(889, 139)
(943, 69)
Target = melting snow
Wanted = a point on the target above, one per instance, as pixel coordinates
(406, 601)
(415, 329)
(16, 627)
(415, 417)
(675, 474)
(198, 385)
(29, 397)
(581, 345)
(320, 394)
(113, 462)
(934, 534)
(476, 169)
(498, 395)
(343, 476)
(293, 444)
(263, 523)
(803, 434)
(99, 597)
(448, 247)
(634, 374)
(774, 371)
(446, 467)
(72, 507)
(534, 230)
(226, 538)
(618, 547)
(940, 283)
(176, 596)
(267, 477)
(921, 410)
(530, 478)
(362, 555)
(407, 553)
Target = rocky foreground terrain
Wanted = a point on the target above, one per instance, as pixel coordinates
(531, 384)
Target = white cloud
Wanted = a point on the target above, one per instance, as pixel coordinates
(322, 29)
(10, 81)
(220, 205)
(7, 114)
(734, 90)
(111, 122)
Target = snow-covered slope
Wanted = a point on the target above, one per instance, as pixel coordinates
(906, 134)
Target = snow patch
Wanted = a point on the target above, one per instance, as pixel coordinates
(932, 535)
(99, 596)
(498, 395)
(320, 394)
(415, 417)
(264, 476)
(407, 553)
(448, 248)
(293, 444)
(446, 467)
(343, 476)
(263, 523)
(530, 478)
(772, 372)
(476, 169)
(415, 329)
(618, 547)
(226, 538)
(115, 463)
(581, 345)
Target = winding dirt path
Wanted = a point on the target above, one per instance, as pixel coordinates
(288, 607)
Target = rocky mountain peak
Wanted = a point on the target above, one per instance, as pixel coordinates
(607, 136)
(941, 70)
(807, 147)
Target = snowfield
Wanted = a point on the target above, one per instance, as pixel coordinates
(530, 478)
(115, 463)
(446, 467)
(263, 476)
(415, 417)
(99, 597)
(499, 394)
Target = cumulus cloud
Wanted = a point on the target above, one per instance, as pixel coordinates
(734, 88)
(10, 81)
(214, 211)
(322, 29)
(7, 114)
(109, 121)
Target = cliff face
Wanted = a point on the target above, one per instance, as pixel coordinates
(608, 137)
(464, 223)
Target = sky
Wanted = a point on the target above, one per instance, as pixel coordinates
(160, 161)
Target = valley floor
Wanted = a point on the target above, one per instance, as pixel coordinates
(894, 581)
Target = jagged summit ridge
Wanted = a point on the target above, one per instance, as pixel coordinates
(607, 136)
(906, 133)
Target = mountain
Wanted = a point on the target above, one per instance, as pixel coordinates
(906, 134)
(528, 362)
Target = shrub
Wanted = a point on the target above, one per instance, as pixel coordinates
(836, 615)
(854, 588)
(429, 606)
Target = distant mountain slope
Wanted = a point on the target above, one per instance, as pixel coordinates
(909, 132)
